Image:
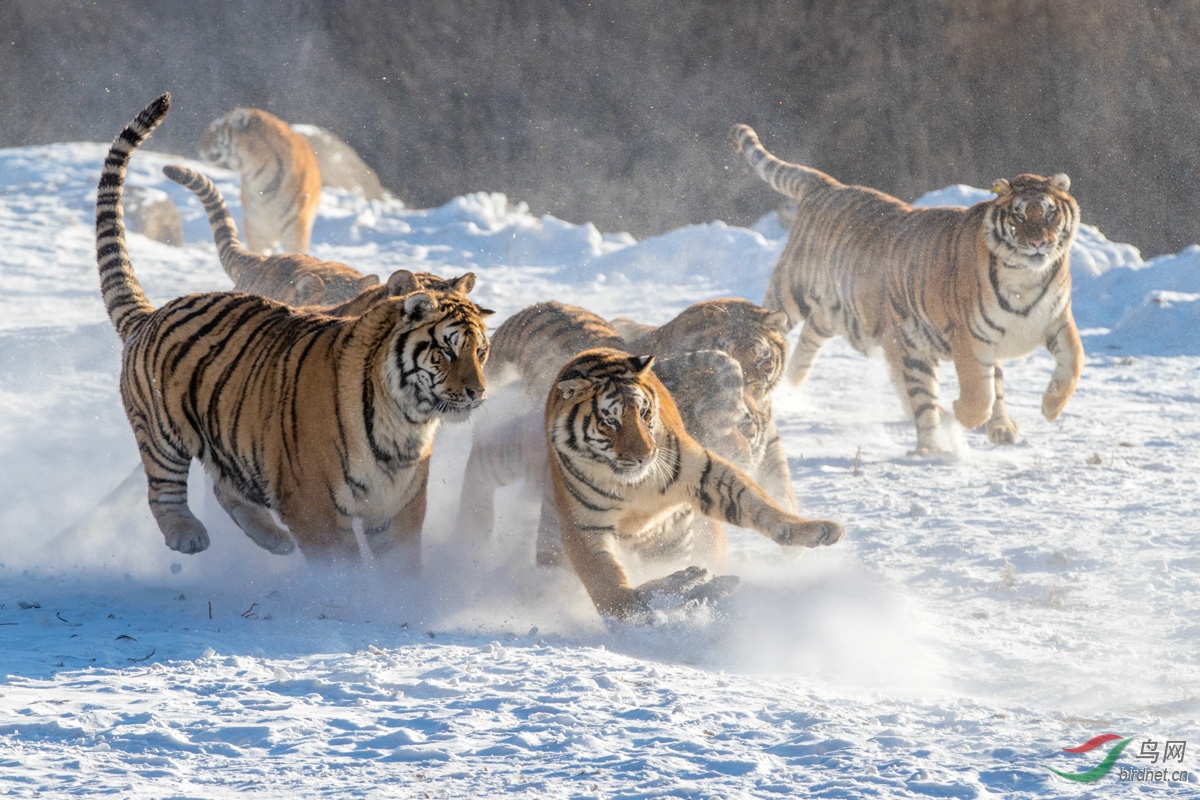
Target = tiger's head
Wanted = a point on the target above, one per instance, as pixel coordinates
(603, 410)
(241, 138)
(436, 355)
(709, 390)
(749, 333)
(218, 145)
(1032, 221)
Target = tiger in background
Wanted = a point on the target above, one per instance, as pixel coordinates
(527, 351)
(318, 418)
(754, 337)
(281, 180)
(621, 463)
(972, 285)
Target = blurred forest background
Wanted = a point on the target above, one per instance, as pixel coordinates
(617, 112)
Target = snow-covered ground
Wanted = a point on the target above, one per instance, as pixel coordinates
(985, 611)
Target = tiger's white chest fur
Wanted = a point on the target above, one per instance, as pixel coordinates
(376, 489)
(1025, 305)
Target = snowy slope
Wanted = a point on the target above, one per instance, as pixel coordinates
(985, 611)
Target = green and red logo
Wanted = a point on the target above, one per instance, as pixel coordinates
(1104, 767)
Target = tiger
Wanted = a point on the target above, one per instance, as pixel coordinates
(754, 337)
(529, 348)
(293, 278)
(621, 463)
(972, 285)
(317, 418)
(281, 180)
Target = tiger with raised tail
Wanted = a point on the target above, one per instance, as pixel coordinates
(293, 278)
(972, 285)
(318, 418)
(621, 463)
(281, 180)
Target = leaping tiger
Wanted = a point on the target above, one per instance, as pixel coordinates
(975, 286)
(621, 464)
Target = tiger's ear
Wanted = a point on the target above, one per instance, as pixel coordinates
(463, 284)
(368, 281)
(641, 364)
(309, 289)
(239, 118)
(1001, 186)
(484, 312)
(777, 320)
(1061, 181)
(572, 386)
(419, 306)
(401, 282)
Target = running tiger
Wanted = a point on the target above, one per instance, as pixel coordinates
(975, 286)
(621, 464)
(281, 181)
(755, 338)
(318, 418)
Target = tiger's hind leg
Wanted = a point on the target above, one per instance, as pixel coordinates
(915, 379)
(1001, 429)
(255, 521)
(166, 476)
(813, 336)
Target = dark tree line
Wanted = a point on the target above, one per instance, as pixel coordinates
(617, 112)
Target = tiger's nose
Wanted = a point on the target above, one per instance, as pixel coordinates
(1037, 242)
(475, 392)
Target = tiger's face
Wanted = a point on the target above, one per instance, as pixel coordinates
(762, 355)
(609, 418)
(218, 145)
(1032, 221)
(438, 366)
(751, 334)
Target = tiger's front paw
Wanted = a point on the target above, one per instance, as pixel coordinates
(1002, 431)
(810, 533)
(684, 588)
(1053, 402)
(185, 534)
(676, 584)
(971, 415)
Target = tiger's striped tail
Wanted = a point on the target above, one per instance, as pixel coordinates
(788, 179)
(124, 298)
(224, 229)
